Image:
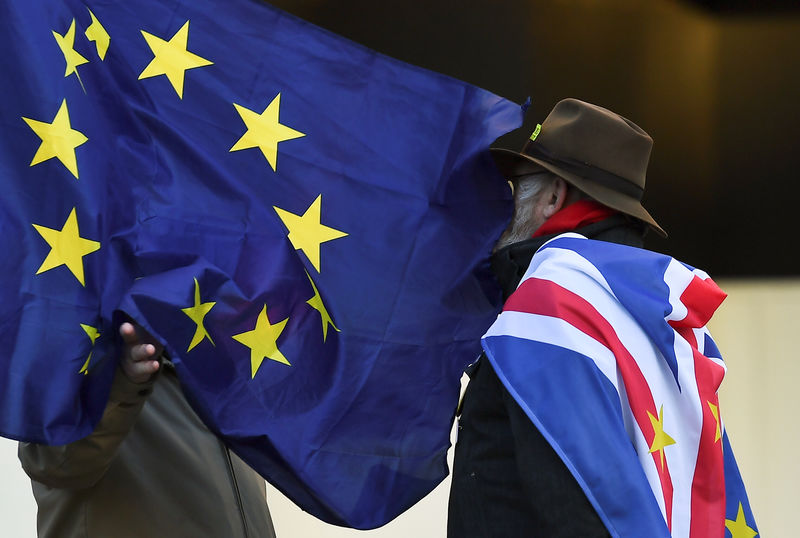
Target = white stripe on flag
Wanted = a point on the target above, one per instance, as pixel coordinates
(555, 331)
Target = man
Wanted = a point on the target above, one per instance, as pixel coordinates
(594, 410)
(582, 170)
(150, 468)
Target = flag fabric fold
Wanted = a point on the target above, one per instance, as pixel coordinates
(606, 348)
(304, 223)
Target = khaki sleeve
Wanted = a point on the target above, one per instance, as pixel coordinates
(81, 464)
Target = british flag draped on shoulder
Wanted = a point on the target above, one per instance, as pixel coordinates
(606, 349)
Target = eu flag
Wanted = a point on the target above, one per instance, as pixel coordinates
(302, 222)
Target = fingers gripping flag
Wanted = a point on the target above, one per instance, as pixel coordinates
(606, 349)
(304, 224)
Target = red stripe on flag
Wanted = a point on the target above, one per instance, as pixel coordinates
(543, 297)
(701, 298)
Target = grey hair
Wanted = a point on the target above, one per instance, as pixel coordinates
(527, 193)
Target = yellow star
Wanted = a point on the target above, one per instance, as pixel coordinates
(67, 247)
(93, 335)
(171, 58)
(59, 139)
(85, 368)
(91, 332)
(95, 32)
(263, 341)
(316, 303)
(66, 43)
(264, 131)
(715, 412)
(739, 528)
(196, 313)
(306, 232)
(660, 438)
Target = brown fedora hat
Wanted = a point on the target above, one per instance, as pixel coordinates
(594, 149)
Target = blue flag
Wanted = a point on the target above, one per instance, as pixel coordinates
(606, 348)
(302, 222)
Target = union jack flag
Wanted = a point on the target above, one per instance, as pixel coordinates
(606, 349)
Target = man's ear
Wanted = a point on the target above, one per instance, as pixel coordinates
(558, 196)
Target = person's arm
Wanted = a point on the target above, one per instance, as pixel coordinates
(82, 463)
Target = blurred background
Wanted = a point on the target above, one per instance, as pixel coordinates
(716, 83)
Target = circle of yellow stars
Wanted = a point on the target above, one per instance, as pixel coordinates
(97, 34)
(59, 139)
(93, 335)
(306, 231)
(67, 247)
(197, 313)
(316, 303)
(264, 131)
(66, 43)
(263, 341)
(171, 58)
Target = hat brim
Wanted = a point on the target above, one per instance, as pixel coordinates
(512, 163)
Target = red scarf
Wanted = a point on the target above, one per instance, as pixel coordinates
(574, 216)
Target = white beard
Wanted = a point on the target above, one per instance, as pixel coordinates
(521, 228)
(527, 218)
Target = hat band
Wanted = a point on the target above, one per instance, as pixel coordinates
(585, 170)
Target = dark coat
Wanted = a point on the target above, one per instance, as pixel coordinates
(150, 468)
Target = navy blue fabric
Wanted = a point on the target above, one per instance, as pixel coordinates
(356, 427)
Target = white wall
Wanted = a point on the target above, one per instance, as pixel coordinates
(754, 329)
(17, 507)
